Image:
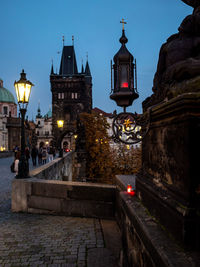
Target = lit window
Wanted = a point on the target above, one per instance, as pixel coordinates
(72, 95)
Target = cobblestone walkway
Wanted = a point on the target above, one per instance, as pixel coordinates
(42, 240)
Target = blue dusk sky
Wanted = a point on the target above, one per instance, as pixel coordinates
(31, 37)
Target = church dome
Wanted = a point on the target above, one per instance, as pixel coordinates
(5, 95)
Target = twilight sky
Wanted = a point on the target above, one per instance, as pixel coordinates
(31, 37)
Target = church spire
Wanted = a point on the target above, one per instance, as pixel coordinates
(52, 70)
(82, 68)
(38, 111)
(87, 69)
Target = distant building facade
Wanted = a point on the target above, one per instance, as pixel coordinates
(9, 123)
(43, 128)
(71, 93)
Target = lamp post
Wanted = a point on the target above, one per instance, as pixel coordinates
(23, 90)
(60, 124)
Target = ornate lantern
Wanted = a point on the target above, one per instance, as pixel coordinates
(23, 90)
(125, 76)
(127, 128)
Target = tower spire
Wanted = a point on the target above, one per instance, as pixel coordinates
(52, 70)
(63, 39)
(82, 68)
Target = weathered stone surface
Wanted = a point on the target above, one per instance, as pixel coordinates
(88, 200)
(50, 189)
(144, 242)
(93, 192)
(169, 181)
(46, 203)
(20, 189)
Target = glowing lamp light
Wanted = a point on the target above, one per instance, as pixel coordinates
(75, 136)
(125, 85)
(60, 123)
(23, 89)
(130, 190)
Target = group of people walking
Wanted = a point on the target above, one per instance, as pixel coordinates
(39, 156)
(42, 155)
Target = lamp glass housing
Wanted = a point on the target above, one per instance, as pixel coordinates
(60, 123)
(23, 91)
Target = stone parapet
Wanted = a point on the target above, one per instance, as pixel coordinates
(58, 169)
(63, 198)
(145, 243)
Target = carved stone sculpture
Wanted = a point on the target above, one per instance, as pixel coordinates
(178, 69)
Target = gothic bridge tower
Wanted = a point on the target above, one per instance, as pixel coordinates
(71, 93)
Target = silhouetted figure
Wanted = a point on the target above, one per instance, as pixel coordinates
(34, 153)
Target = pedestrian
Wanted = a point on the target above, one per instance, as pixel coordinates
(34, 153)
(44, 155)
(40, 156)
(16, 163)
(51, 152)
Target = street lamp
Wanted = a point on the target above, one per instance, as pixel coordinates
(128, 128)
(23, 90)
(60, 124)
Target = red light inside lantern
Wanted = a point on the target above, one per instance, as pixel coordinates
(124, 85)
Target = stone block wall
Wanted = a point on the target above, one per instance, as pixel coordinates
(145, 242)
(63, 198)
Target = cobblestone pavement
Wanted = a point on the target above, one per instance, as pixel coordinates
(42, 240)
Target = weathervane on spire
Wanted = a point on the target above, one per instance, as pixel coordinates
(123, 22)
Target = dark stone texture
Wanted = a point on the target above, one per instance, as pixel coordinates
(168, 183)
(144, 241)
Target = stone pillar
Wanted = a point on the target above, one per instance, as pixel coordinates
(169, 184)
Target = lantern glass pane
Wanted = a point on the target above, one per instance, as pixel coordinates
(124, 76)
(23, 91)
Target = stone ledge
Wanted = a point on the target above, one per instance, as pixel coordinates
(143, 233)
(63, 198)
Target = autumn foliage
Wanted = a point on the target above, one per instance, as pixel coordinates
(103, 161)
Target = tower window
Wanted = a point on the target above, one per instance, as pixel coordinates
(61, 95)
(74, 95)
